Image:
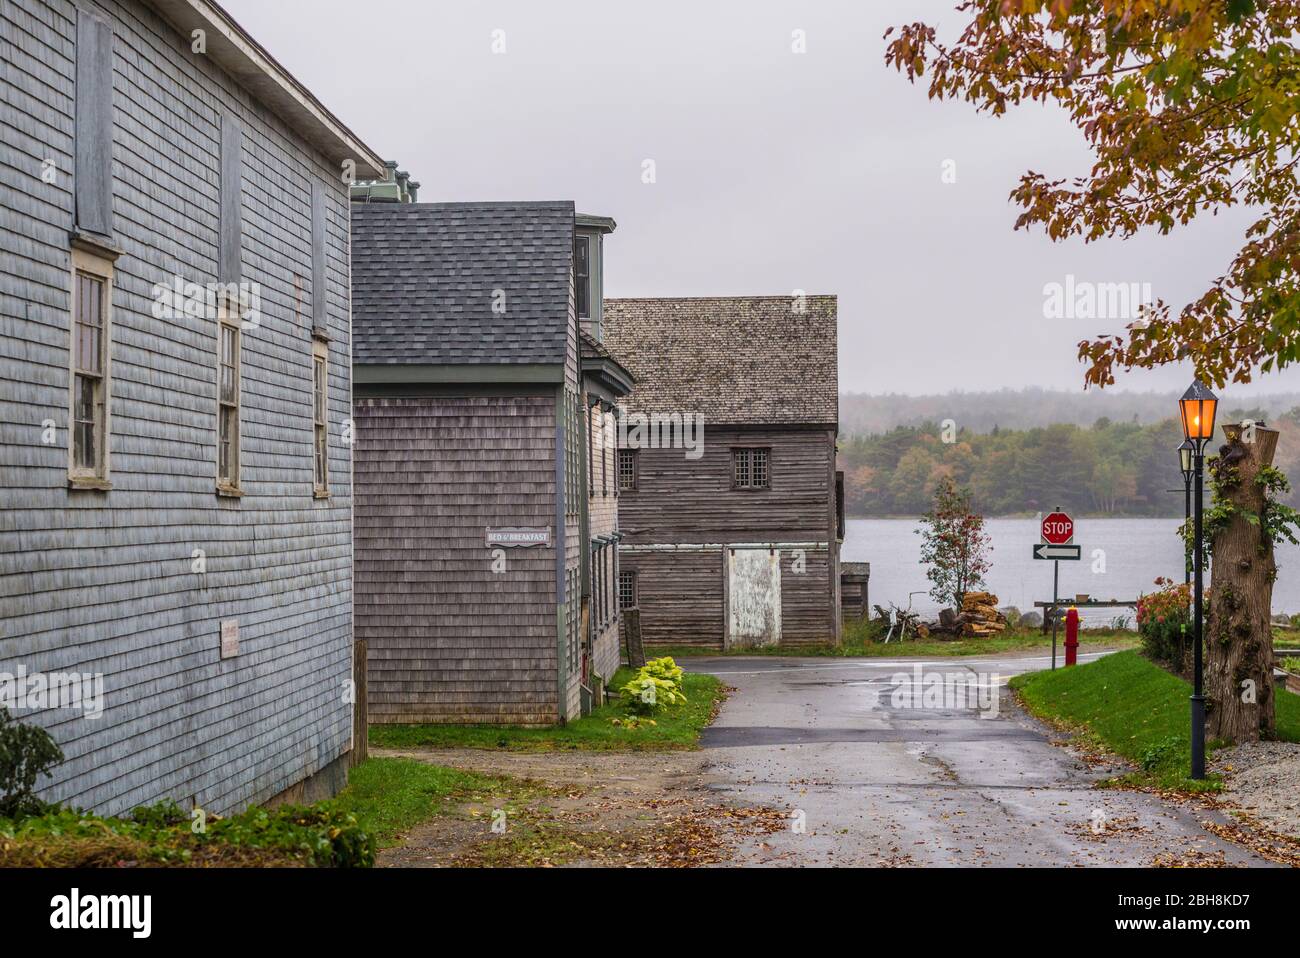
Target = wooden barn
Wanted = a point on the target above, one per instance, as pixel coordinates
(731, 537)
(175, 466)
(486, 526)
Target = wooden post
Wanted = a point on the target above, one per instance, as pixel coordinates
(632, 626)
(360, 718)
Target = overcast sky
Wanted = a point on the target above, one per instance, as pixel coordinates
(775, 171)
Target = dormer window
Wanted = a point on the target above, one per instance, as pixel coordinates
(582, 274)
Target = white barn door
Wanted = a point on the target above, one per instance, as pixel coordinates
(753, 598)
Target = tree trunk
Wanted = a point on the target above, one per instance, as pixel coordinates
(1239, 634)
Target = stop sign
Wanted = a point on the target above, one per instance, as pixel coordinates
(1058, 529)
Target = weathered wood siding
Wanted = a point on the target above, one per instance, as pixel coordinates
(603, 510)
(680, 595)
(685, 502)
(450, 640)
(102, 581)
(571, 595)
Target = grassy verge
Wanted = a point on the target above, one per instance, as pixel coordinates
(389, 796)
(1128, 706)
(678, 728)
(855, 646)
(164, 835)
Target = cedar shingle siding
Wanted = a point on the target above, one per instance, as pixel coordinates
(449, 639)
(103, 581)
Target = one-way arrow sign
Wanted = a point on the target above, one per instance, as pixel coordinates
(1046, 550)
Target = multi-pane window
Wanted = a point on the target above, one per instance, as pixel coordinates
(751, 468)
(572, 422)
(592, 412)
(572, 657)
(626, 590)
(611, 593)
(604, 459)
(320, 417)
(627, 470)
(582, 274)
(599, 586)
(228, 389)
(90, 381)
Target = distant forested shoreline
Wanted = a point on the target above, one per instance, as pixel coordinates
(1104, 469)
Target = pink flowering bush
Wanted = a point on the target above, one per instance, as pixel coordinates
(1162, 617)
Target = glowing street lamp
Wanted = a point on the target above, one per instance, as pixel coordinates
(1197, 408)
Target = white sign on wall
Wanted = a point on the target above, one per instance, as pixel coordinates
(229, 638)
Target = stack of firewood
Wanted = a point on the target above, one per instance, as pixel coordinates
(979, 615)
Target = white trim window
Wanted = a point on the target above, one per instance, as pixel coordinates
(320, 418)
(90, 380)
(228, 395)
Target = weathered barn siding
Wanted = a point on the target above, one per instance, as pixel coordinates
(686, 502)
(681, 500)
(102, 581)
(449, 639)
(682, 595)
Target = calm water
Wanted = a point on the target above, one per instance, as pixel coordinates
(1136, 551)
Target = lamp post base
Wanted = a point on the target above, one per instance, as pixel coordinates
(1198, 736)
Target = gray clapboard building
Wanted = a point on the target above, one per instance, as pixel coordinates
(731, 530)
(175, 394)
(483, 589)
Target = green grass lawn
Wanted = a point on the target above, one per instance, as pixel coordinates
(857, 646)
(389, 796)
(1125, 704)
(677, 728)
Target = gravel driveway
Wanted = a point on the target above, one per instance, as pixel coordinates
(1263, 778)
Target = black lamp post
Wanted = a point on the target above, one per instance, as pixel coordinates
(1185, 454)
(1197, 408)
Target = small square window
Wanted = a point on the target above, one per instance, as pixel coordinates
(751, 468)
(627, 590)
(627, 470)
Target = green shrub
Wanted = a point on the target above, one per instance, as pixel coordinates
(1292, 665)
(26, 753)
(1163, 619)
(657, 686)
(1161, 753)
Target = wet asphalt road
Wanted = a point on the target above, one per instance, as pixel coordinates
(882, 771)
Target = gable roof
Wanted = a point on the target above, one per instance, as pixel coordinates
(425, 278)
(231, 47)
(744, 360)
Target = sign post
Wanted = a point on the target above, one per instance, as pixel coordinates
(1057, 534)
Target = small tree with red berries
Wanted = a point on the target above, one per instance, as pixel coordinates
(954, 545)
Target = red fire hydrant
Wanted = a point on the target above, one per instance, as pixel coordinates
(1072, 637)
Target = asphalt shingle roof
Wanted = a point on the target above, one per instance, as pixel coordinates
(737, 360)
(424, 276)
